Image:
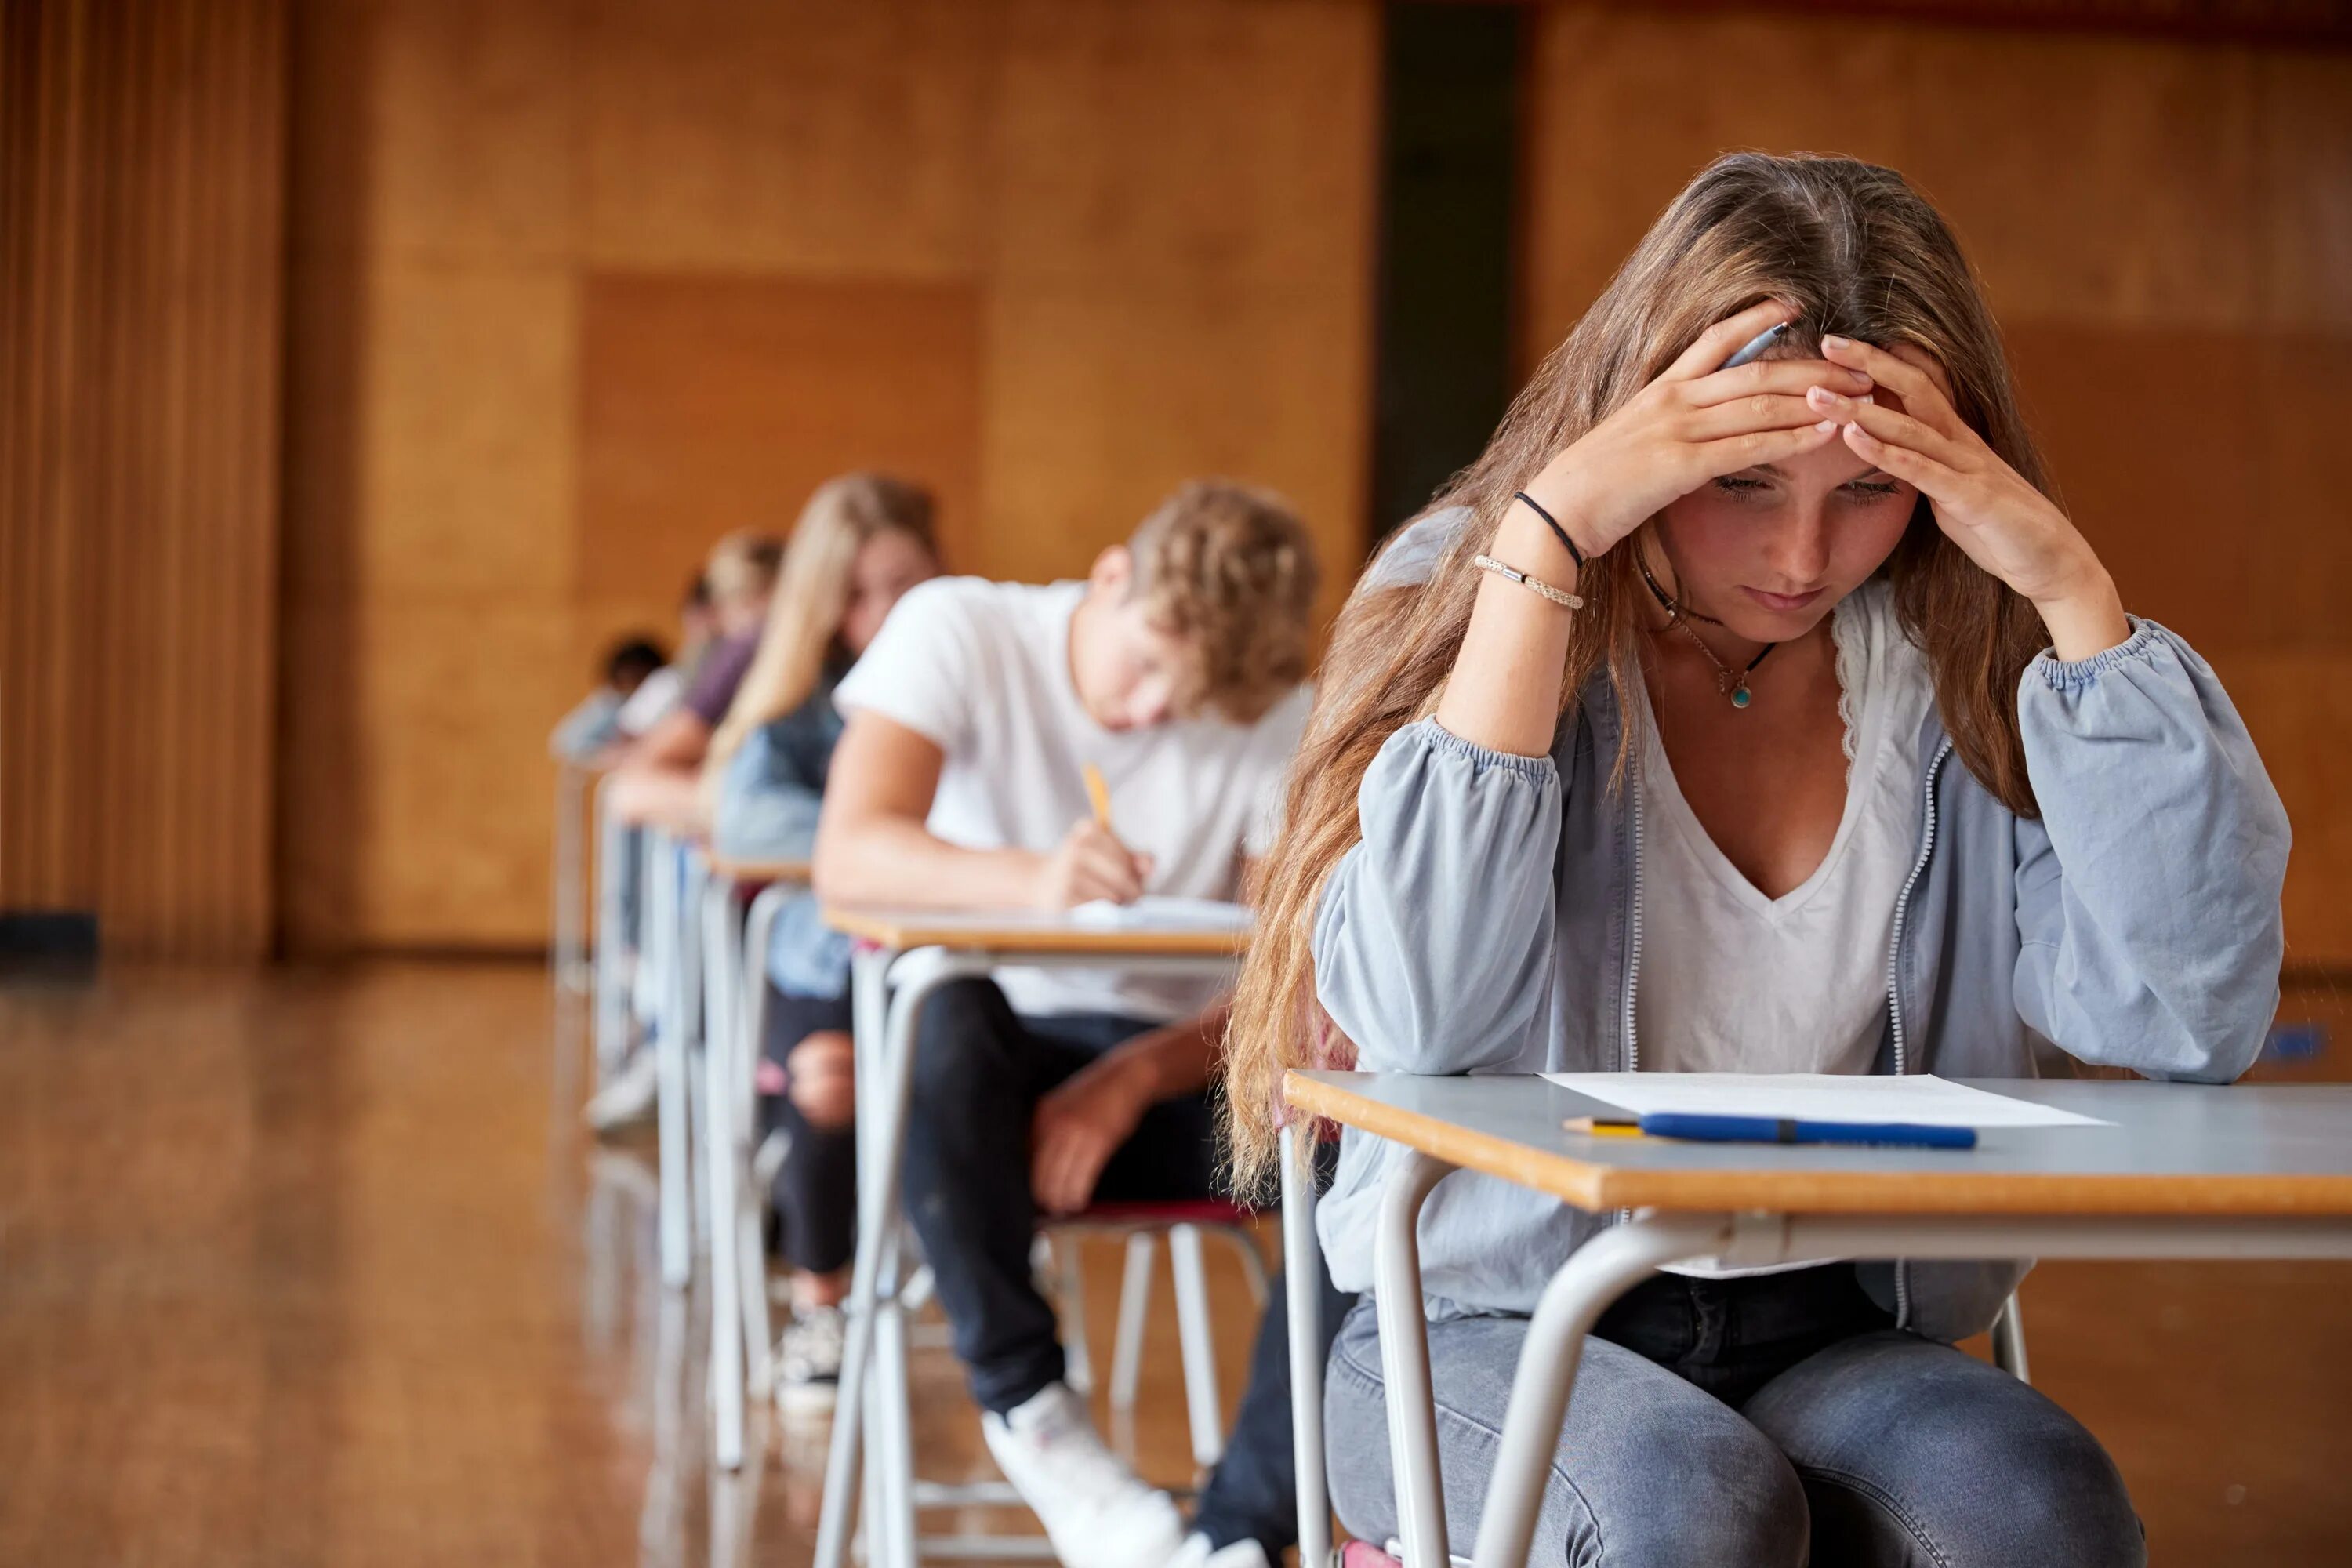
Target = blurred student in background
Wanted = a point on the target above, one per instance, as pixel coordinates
(656, 779)
(652, 702)
(660, 772)
(592, 730)
(698, 627)
(1175, 669)
(862, 540)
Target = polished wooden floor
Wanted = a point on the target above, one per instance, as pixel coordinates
(310, 1268)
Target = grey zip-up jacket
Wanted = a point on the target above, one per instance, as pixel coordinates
(1490, 921)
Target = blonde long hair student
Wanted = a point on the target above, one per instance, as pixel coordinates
(1704, 821)
(863, 539)
(831, 594)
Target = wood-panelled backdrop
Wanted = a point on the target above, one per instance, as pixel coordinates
(576, 287)
(141, 246)
(571, 286)
(2165, 229)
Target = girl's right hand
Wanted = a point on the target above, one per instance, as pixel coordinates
(1693, 423)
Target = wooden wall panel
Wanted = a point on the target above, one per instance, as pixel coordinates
(713, 405)
(2165, 228)
(809, 136)
(557, 266)
(140, 156)
(1180, 271)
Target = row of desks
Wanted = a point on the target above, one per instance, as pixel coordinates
(2241, 1172)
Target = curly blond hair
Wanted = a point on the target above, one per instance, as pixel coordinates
(1232, 569)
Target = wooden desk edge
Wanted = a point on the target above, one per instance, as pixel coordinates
(1595, 1186)
(901, 930)
(759, 870)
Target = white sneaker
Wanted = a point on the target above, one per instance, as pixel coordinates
(1195, 1554)
(1095, 1512)
(808, 1361)
(628, 1098)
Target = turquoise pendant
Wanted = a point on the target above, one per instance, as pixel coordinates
(1739, 696)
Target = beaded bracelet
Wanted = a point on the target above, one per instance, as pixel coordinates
(1561, 596)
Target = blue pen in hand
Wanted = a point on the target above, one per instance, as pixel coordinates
(1753, 348)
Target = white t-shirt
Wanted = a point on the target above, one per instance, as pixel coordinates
(982, 669)
(1734, 982)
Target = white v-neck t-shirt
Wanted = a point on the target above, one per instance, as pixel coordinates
(1734, 982)
(982, 669)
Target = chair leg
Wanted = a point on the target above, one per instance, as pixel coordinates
(1253, 1261)
(1199, 1341)
(1078, 1362)
(1134, 1307)
(2009, 1340)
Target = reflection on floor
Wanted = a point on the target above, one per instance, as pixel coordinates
(310, 1266)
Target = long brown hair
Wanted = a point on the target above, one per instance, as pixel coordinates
(1858, 252)
(812, 593)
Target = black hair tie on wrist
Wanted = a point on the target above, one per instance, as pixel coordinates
(1553, 524)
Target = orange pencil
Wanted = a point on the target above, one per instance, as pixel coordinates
(1099, 793)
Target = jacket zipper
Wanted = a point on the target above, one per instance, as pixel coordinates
(1634, 942)
(1632, 960)
(1893, 992)
(1903, 905)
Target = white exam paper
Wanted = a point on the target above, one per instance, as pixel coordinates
(1162, 911)
(1919, 1098)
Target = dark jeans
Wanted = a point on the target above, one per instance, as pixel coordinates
(980, 1070)
(816, 1187)
(1253, 1494)
(1776, 1420)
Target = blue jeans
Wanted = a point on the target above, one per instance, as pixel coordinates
(1777, 1420)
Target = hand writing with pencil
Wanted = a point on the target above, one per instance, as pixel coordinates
(1090, 862)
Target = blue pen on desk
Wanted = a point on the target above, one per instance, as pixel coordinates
(1779, 1129)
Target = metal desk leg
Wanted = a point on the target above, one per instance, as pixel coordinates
(1595, 1275)
(565, 947)
(750, 1033)
(869, 1003)
(892, 1462)
(723, 1156)
(1405, 1360)
(686, 973)
(612, 935)
(1300, 1264)
(661, 894)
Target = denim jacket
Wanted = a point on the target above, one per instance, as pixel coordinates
(1489, 921)
(769, 799)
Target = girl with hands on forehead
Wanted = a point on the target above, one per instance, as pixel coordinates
(2001, 522)
(1749, 706)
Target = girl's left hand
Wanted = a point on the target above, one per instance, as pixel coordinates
(2003, 523)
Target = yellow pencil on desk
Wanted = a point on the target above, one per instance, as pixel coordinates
(1099, 793)
(1600, 1129)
